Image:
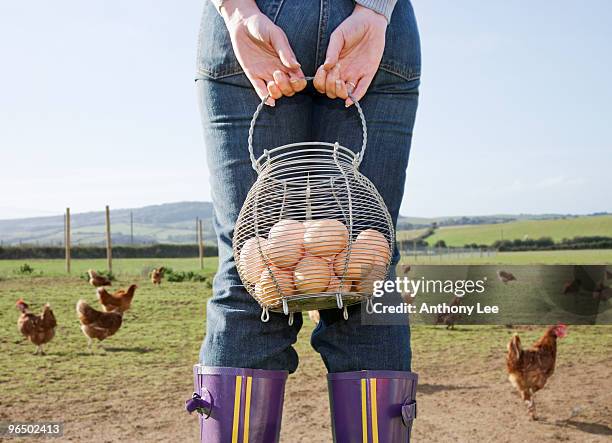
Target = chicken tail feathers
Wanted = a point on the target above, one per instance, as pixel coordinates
(48, 318)
(514, 351)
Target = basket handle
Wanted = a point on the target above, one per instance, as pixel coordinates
(359, 157)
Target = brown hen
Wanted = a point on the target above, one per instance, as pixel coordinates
(119, 301)
(529, 369)
(97, 280)
(156, 275)
(97, 324)
(39, 329)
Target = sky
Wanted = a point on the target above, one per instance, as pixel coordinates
(97, 106)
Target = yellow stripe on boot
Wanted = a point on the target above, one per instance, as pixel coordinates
(236, 409)
(364, 411)
(374, 410)
(247, 409)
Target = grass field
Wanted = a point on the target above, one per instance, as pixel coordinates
(121, 267)
(559, 229)
(134, 390)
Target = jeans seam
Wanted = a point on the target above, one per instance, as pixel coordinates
(408, 74)
(278, 9)
(321, 31)
(220, 74)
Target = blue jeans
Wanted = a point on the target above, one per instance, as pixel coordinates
(235, 335)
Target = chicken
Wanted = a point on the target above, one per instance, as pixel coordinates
(97, 280)
(449, 319)
(97, 324)
(119, 301)
(39, 329)
(156, 275)
(505, 276)
(529, 369)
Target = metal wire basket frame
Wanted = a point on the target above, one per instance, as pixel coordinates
(311, 192)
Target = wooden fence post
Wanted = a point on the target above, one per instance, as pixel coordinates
(67, 239)
(109, 247)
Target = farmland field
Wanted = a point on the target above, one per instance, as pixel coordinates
(134, 390)
(558, 229)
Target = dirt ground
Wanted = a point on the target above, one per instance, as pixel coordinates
(474, 403)
(460, 400)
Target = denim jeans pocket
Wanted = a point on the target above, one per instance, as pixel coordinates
(215, 55)
(402, 55)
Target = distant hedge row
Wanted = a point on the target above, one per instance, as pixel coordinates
(548, 244)
(147, 251)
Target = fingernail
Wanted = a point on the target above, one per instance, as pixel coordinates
(295, 80)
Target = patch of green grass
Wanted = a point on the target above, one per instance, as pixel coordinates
(412, 234)
(161, 335)
(557, 229)
(122, 267)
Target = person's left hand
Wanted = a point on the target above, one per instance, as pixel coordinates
(353, 55)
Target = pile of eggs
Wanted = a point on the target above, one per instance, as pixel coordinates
(300, 258)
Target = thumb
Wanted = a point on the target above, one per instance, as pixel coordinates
(336, 43)
(279, 42)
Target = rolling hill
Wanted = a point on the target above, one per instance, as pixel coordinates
(175, 223)
(165, 223)
(557, 229)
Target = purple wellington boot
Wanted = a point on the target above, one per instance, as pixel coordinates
(372, 406)
(238, 405)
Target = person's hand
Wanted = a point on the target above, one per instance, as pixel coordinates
(353, 55)
(263, 51)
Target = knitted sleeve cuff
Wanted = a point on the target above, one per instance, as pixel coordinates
(384, 7)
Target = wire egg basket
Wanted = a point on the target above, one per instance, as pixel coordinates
(313, 232)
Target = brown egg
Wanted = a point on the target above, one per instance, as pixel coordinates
(266, 289)
(366, 283)
(325, 238)
(312, 275)
(285, 243)
(335, 286)
(377, 244)
(251, 260)
(359, 264)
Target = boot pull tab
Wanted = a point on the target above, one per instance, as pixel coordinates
(409, 412)
(200, 405)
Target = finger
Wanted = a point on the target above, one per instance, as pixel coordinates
(283, 49)
(336, 43)
(262, 91)
(360, 89)
(297, 80)
(319, 80)
(350, 82)
(282, 81)
(330, 81)
(274, 91)
(341, 89)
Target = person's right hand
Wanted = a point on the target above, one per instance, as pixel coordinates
(263, 51)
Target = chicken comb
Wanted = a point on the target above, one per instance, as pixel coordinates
(20, 302)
